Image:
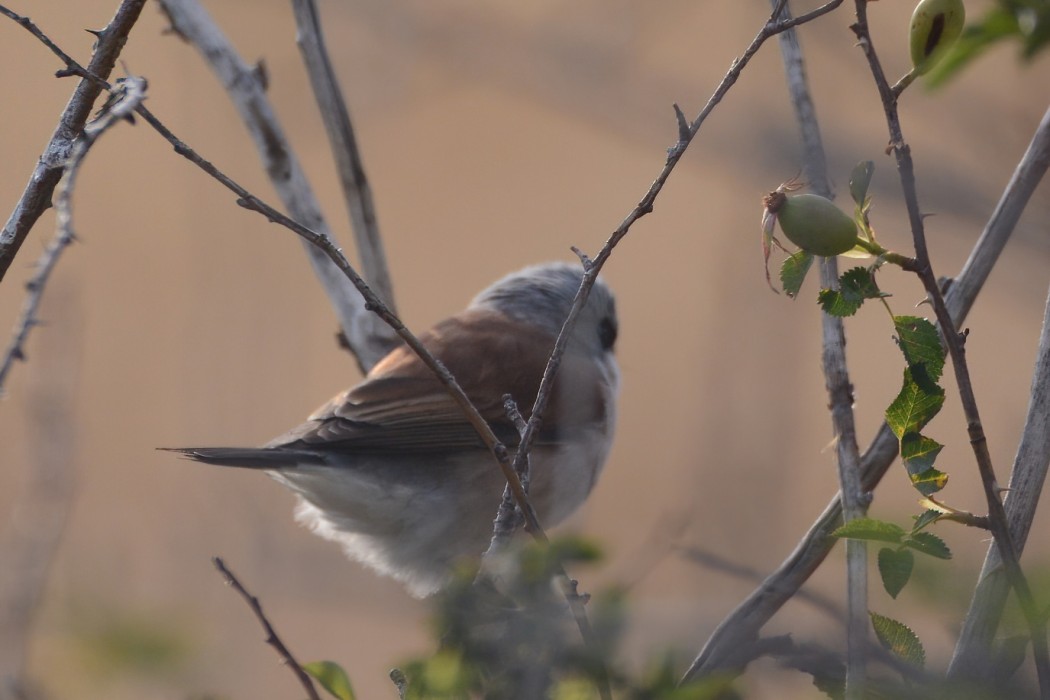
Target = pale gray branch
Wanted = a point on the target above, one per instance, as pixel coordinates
(348, 159)
(368, 337)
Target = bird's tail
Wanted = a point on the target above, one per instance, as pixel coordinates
(248, 457)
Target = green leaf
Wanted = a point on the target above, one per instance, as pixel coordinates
(895, 567)
(929, 543)
(929, 482)
(917, 403)
(835, 303)
(859, 180)
(898, 639)
(919, 452)
(921, 344)
(871, 529)
(855, 286)
(332, 678)
(793, 272)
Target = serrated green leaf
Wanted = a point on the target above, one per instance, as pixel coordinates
(921, 344)
(929, 482)
(793, 272)
(895, 566)
(917, 403)
(859, 283)
(836, 304)
(919, 452)
(859, 180)
(870, 529)
(898, 639)
(855, 286)
(928, 543)
(332, 678)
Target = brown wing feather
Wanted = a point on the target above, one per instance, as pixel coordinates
(401, 406)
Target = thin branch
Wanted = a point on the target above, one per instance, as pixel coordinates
(954, 342)
(508, 515)
(369, 337)
(36, 197)
(837, 381)
(34, 294)
(973, 650)
(592, 267)
(271, 635)
(349, 162)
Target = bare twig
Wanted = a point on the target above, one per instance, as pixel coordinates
(592, 266)
(271, 635)
(508, 516)
(368, 336)
(36, 197)
(349, 162)
(34, 294)
(954, 343)
(839, 387)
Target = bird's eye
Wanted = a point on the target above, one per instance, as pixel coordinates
(607, 333)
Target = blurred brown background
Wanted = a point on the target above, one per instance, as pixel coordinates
(495, 135)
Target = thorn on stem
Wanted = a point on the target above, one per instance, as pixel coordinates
(584, 259)
(684, 133)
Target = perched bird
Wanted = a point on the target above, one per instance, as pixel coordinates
(392, 470)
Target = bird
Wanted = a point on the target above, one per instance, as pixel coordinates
(391, 469)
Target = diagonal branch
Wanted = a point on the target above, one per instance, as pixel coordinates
(36, 197)
(771, 28)
(271, 635)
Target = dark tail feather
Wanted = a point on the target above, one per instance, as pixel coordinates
(248, 457)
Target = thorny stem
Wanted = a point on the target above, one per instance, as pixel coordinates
(37, 195)
(954, 341)
(271, 635)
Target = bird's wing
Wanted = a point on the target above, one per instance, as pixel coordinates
(401, 406)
